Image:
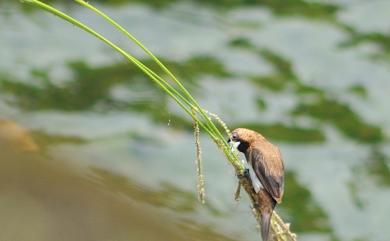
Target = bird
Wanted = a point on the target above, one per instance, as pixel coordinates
(266, 171)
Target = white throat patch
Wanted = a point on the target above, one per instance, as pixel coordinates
(234, 145)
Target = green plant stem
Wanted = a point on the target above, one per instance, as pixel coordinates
(162, 66)
(208, 125)
(158, 80)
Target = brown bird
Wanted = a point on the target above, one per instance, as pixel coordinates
(267, 172)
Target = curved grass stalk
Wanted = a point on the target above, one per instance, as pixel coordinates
(156, 78)
(154, 58)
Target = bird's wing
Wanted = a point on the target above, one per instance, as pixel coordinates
(268, 167)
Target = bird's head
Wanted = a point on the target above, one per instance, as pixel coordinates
(242, 138)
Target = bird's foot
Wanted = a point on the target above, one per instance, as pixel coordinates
(245, 174)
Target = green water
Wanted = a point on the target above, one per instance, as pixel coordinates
(312, 76)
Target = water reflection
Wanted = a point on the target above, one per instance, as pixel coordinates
(311, 76)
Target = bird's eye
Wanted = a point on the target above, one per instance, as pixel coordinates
(234, 136)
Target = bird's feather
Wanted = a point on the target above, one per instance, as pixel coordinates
(268, 166)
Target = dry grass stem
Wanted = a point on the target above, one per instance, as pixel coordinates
(199, 167)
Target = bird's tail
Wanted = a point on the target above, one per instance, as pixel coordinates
(265, 225)
(267, 205)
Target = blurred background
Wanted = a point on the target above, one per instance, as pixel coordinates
(92, 150)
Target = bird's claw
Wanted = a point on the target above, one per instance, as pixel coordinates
(245, 174)
(241, 176)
